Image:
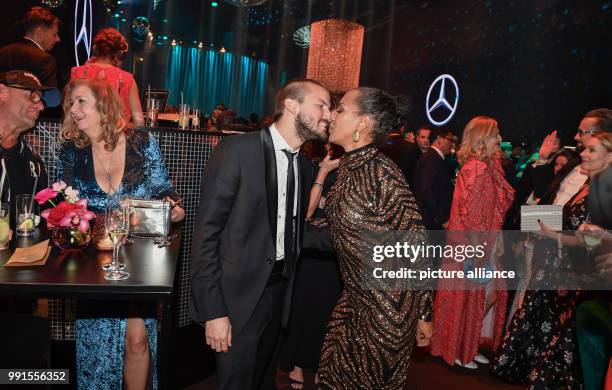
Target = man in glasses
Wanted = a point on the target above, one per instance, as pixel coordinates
(22, 97)
(568, 181)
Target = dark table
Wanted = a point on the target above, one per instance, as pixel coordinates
(77, 275)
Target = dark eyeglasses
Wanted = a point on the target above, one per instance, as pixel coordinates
(35, 95)
(586, 132)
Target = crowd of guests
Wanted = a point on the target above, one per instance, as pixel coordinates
(337, 326)
(282, 240)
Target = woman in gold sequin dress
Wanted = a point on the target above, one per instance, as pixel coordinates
(373, 327)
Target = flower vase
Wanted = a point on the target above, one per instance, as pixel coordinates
(70, 238)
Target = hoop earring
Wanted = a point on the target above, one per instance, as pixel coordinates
(356, 136)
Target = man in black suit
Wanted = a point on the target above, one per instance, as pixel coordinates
(248, 234)
(31, 53)
(432, 180)
(411, 152)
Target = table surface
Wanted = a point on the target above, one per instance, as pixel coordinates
(78, 274)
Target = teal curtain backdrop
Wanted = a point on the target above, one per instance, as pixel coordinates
(208, 78)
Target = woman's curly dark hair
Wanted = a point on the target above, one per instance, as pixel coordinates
(387, 112)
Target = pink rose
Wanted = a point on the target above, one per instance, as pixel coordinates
(60, 185)
(43, 196)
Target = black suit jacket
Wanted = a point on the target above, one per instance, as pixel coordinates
(25, 55)
(408, 160)
(434, 189)
(234, 242)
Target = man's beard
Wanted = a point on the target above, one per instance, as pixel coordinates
(307, 131)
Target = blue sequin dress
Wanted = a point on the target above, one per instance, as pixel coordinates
(100, 326)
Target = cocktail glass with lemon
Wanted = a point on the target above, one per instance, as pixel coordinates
(25, 215)
(4, 225)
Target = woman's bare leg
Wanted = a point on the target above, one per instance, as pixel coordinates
(137, 356)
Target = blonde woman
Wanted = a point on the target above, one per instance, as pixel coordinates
(466, 313)
(103, 156)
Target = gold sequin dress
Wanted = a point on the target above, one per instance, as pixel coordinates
(372, 329)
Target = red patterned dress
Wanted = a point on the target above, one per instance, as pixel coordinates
(118, 78)
(481, 198)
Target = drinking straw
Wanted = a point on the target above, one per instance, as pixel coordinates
(33, 193)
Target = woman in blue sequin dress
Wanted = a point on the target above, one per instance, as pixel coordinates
(103, 157)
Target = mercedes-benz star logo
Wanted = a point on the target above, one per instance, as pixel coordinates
(441, 104)
(82, 29)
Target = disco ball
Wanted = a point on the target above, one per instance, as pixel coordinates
(245, 3)
(301, 37)
(141, 28)
(52, 3)
(110, 5)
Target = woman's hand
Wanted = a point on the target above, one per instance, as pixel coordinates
(327, 164)
(587, 228)
(423, 333)
(178, 213)
(545, 231)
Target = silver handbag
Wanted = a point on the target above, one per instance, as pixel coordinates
(149, 218)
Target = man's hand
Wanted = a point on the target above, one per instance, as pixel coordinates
(549, 146)
(219, 334)
(423, 333)
(603, 265)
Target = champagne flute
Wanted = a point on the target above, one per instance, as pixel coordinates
(118, 229)
(128, 202)
(591, 236)
(109, 267)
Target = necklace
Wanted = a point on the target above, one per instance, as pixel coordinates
(107, 171)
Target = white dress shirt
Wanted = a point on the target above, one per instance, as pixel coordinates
(570, 186)
(36, 43)
(281, 174)
(439, 152)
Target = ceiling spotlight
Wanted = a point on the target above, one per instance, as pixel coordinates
(245, 3)
(222, 50)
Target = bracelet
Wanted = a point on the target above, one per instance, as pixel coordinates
(318, 184)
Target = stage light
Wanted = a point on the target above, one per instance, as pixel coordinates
(53, 3)
(214, 4)
(222, 50)
(173, 42)
(245, 3)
